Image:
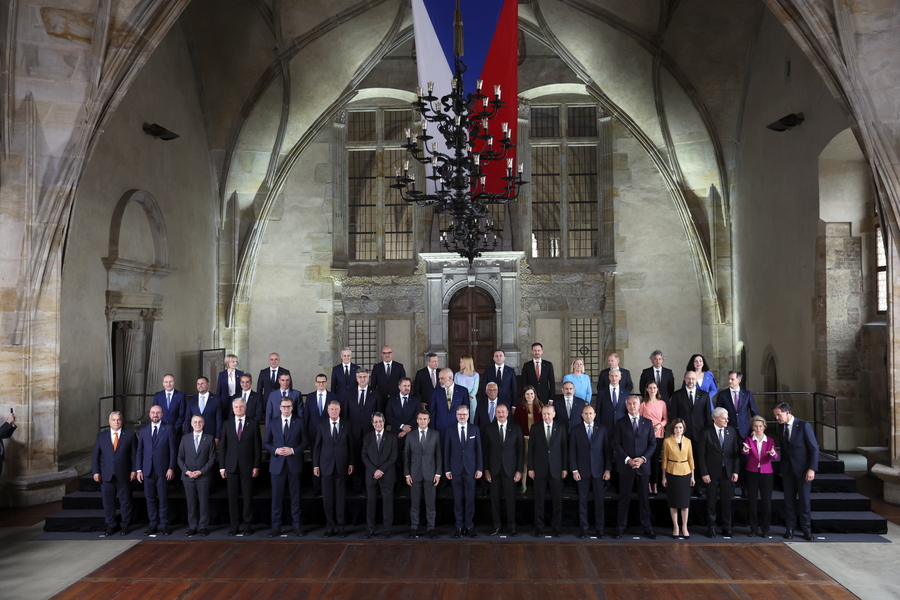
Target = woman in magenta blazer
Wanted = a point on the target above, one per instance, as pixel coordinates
(761, 452)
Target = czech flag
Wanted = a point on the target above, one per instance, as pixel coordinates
(490, 53)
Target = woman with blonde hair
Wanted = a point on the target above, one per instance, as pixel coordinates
(581, 381)
(228, 385)
(468, 378)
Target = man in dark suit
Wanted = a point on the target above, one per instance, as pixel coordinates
(539, 374)
(463, 464)
(113, 465)
(401, 417)
(719, 449)
(738, 402)
(422, 469)
(156, 454)
(379, 455)
(568, 407)
(315, 411)
(6, 430)
(269, 377)
(611, 402)
(285, 441)
(285, 390)
(504, 455)
(196, 456)
(173, 404)
(633, 440)
(691, 404)
(426, 379)
(444, 402)
(207, 406)
(799, 463)
(626, 382)
(548, 460)
(361, 403)
(240, 453)
(343, 375)
(486, 410)
(386, 375)
(590, 459)
(256, 409)
(333, 461)
(664, 378)
(505, 378)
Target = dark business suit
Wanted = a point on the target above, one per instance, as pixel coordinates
(422, 384)
(463, 458)
(380, 457)
(333, 455)
(115, 468)
(265, 384)
(548, 460)
(285, 471)
(503, 458)
(397, 415)
(222, 390)
(212, 415)
(590, 457)
(155, 456)
(666, 382)
(196, 491)
(507, 385)
(546, 386)
(6, 430)
(574, 418)
(719, 462)
(422, 463)
(360, 414)
(607, 414)
(629, 444)
(273, 404)
(172, 413)
(256, 410)
(312, 417)
(799, 454)
(340, 382)
(443, 417)
(738, 417)
(483, 412)
(238, 458)
(386, 385)
(696, 415)
(625, 382)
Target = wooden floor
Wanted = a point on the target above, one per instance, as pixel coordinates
(426, 570)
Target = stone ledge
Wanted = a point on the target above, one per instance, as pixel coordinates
(36, 489)
(891, 478)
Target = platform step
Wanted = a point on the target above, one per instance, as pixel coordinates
(834, 483)
(848, 522)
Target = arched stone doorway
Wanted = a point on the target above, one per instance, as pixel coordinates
(472, 327)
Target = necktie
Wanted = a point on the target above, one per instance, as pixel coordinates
(334, 431)
(502, 433)
(657, 377)
(240, 428)
(569, 407)
(433, 380)
(499, 374)
(737, 401)
(284, 393)
(362, 397)
(590, 433)
(378, 441)
(321, 404)
(615, 397)
(196, 443)
(691, 397)
(403, 402)
(202, 402)
(272, 376)
(168, 400)
(787, 430)
(449, 398)
(422, 437)
(491, 411)
(387, 370)
(722, 437)
(634, 423)
(537, 369)
(245, 397)
(154, 433)
(284, 431)
(347, 374)
(548, 434)
(462, 436)
(115, 441)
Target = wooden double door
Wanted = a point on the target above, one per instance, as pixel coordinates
(473, 328)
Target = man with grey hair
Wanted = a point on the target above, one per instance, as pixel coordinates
(343, 375)
(379, 455)
(657, 373)
(719, 452)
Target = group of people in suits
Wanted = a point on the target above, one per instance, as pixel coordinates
(377, 429)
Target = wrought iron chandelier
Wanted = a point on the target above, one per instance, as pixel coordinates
(456, 183)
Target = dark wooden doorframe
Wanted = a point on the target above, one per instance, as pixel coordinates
(472, 320)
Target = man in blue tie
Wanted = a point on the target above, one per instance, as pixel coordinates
(315, 411)
(155, 469)
(463, 464)
(590, 458)
(172, 403)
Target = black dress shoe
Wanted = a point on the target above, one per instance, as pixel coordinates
(204, 532)
(472, 533)
(385, 535)
(166, 531)
(150, 531)
(369, 534)
(414, 533)
(600, 534)
(458, 533)
(765, 534)
(329, 533)
(789, 534)
(711, 532)
(342, 533)
(234, 530)
(432, 534)
(557, 533)
(538, 532)
(298, 531)
(727, 533)
(513, 533)
(248, 530)
(752, 533)
(274, 532)
(190, 532)
(126, 529)
(807, 535)
(496, 531)
(650, 534)
(617, 535)
(110, 531)
(582, 534)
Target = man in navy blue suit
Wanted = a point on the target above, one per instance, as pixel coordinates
(315, 411)
(343, 375)
(569, 407)
(463, 464)
(401, 416)
(444, 402)
(738, 402)
(269, 377)
(505, 378)
(799, 463)
(663, 377)
(205, 405)
(362, 402)
(486, 410)
(427, 379)
(590, 459)
(539, 373)
(613, 363)
(112, 465)
(611, 401)
(284, 390)
(285, 441)
(633, 440)
(333, 460)
(256, 409)
(172, 403)
(386, 376)
(156, 454)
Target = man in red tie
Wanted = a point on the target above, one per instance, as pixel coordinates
(112, 465)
